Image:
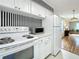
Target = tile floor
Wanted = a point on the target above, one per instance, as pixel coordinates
(59, 56)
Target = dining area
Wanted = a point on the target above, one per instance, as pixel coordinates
(71, 43)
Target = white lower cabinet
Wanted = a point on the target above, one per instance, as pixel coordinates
(38, 50)
(42, 48)
(47, 46)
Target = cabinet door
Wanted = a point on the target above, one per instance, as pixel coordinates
(57, 40)
(34, 8)
(52, 43)
(37, 9)
(48, 24)
(23, 5)
(38, 50)
(47, 46)
(7, 3)
(41, 49)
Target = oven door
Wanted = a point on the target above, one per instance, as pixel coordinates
(24, 54)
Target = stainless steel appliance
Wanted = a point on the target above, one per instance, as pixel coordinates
(16, 43)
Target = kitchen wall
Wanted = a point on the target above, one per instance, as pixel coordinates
(31, 22)
(26, 21)
(38, 10)
(41, 11)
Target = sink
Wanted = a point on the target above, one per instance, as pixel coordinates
(6, 40)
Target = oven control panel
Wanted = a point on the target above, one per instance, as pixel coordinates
(13, 29)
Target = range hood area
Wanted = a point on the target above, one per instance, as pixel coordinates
(45, 5)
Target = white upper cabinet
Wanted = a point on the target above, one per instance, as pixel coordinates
(34, 8)
(7, 3)
(37, 9)
(48, 24)
(23, 5)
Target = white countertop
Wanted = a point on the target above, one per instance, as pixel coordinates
(21, 40)
(42, 35)
(18, 39)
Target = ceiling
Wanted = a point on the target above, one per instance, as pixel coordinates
(65, 7)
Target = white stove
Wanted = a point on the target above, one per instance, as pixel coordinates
(13, 40)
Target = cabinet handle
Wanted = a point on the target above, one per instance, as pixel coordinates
(15, 7)
(41, 40)
(19, 8)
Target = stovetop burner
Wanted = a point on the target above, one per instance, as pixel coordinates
(28, 36)
(6, 40)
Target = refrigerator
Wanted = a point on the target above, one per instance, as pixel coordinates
(52, 25)
(57, 35)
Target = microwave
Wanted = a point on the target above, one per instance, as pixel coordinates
(37, 30)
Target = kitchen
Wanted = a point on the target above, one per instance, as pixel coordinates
(31, 29)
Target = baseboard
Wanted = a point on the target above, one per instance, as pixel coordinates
(47, 56)
(57, 53)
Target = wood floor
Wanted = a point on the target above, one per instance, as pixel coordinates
(69, 44)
